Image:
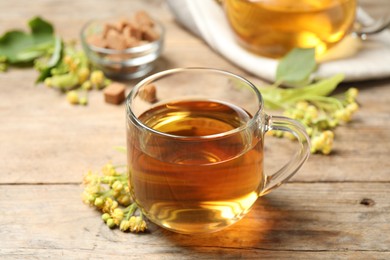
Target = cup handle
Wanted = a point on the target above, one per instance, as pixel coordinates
(367, 26)
(285, 124)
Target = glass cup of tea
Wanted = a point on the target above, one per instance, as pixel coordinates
(272, 28)
(195, 140)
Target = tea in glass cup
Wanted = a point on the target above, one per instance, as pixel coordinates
(195, 154)
(272, 28)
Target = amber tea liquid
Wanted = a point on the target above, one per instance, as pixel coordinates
(273, 27)
(200, 180)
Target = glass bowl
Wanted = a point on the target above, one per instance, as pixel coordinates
(129, 63)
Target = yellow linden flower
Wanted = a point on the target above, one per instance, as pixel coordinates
(117, 215)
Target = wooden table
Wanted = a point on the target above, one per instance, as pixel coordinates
(336, 207)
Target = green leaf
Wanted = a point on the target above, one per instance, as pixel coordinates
(45, 70)
(12, 42)
(275, 98)
(296, 67)
(323, 87)
(40, 27)
(22, 47)
(28, 55)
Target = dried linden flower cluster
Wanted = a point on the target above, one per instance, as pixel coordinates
(109, 193)
(74, 75)
(321, 116)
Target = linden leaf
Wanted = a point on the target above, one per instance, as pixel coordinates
(275, 98)
(20, 47)
(45, 67)
(296, 67)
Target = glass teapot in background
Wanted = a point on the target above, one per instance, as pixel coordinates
(271, 28)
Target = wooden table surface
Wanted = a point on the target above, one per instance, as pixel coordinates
(46, 145)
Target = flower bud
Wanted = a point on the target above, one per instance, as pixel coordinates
(97, 78)
(124, 225)
(351, 94)
(117, 215)
(99, 202)
(105, 217)
(117, 186)
(109, 170)
(352, 107)
(110, 223)
(87, 85)
(107, 205)
(108, 179)
(124, 199)
(83, 74)
(72, 97)
(138, 224)
(114, 205)
(312, 112)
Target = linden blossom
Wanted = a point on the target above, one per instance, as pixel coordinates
(310, 104)
(109, 193)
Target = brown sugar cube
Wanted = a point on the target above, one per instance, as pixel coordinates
(149, 34)
(143, 18)
(135, 31)
(121, 24)
(148, 93)
(126, 32)
(97, 41)
(114, 93)
(107, 28)
(130, 40)
(115, 40)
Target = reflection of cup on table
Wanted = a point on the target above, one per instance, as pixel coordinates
(195, 152)
(272, 28)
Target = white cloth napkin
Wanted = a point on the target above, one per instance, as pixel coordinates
(206, 19)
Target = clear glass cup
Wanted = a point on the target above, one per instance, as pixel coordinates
(195, 139)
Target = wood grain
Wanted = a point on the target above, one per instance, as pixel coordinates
(313, 221)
